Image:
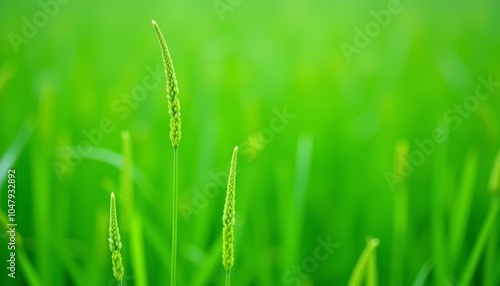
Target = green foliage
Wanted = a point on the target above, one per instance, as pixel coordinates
(73, 84)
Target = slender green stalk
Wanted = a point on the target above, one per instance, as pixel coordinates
(228, 219)
(174, 221)
(371, 271)
(424, 272)
(479, 245)
(174, 110)
(292, 204)
(461, 212)
(228, 278)
(28, 268)
(490, 261)
(126, 184)
(360, 269)
(463, 203)
(400, 217)
(42, 193)
(488, 227)
(438, 212)
(131, 215)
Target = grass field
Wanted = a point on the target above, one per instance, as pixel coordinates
(367, 131)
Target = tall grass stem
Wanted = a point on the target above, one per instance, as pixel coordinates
(228, 278)
(174, 219)
(479, 245)
(360, 269)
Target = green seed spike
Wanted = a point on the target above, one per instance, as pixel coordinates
(228, 216)
(174, 105)
(115, 244)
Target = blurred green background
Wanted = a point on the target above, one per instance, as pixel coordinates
(65, 67)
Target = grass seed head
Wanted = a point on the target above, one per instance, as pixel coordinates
(115, 244)
(228, 219)
(174, 105)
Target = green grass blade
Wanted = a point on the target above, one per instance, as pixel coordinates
(261, 229)
(438, 235)
(490, 273)
(205, 271)
(42, 206)
(424, 272)
(479, 245)
(131, 215)
(490, 264)
(302, 165)
(400, 218)
(372, 273)
(359, 271)
(126, 184)
(462, 206)
(15, 148)
(96, 259)
(155, 239)
(28, 269)
(116, 159)
(138, 253)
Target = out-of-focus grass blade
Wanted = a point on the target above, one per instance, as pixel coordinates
(438, 214)
(115, 159)
(127, 202)
(462, 205)
(371, 271)
(400, 216)
(424, 272)
(212, 259)
(260, 225)
(157, 242)
(27, 267)
(130, 214)
(10, 156)
(45, 260)
(487, 228)
(293, 207)
(138, 253)
(473, 260)
(96, 258)
(6, 74)
(360, 269)
(490, 273)
(28, 270)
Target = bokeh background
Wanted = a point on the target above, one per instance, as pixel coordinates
(73, 67)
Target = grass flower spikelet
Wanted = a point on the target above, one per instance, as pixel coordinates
(115, 244)
(228, 219)
(174, 105)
